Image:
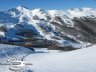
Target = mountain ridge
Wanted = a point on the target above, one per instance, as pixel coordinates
(73, 27)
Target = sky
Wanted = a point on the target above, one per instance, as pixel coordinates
(47, 4)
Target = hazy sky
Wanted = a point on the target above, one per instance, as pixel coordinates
(47, 4)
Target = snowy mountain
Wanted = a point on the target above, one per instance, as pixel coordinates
(75, 28)
(38, 40)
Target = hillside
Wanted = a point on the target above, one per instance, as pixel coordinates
(54, 29)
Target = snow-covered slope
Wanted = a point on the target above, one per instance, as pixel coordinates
(82, 60)
(76, 27)
(77, 12)
(11, 53)
(43, 60)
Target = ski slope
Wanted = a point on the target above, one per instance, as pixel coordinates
(43, 60)
(82, 60)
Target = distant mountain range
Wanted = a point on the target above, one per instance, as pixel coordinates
(55, 29)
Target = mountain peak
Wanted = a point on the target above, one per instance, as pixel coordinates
(38, 10)
(21, 7)
(88, 9)
(81, 9)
